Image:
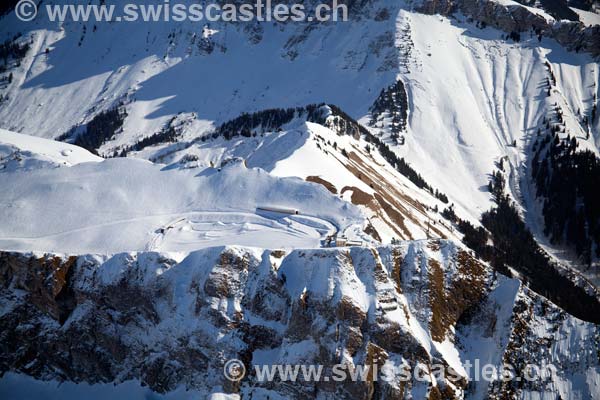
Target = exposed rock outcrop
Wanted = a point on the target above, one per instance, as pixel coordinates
(169, 324)
(574, 35)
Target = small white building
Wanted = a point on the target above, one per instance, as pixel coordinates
(352, 243)
(340, 241)
(280, 210)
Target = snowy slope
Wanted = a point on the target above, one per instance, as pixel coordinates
(462, 116)
(19, 151)
(395, 207)
(133, 205)
(587, 17)
(471, 93)
(171, 310)
(161, 69)
(114, 195)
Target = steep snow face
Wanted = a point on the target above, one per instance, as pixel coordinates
(132, 205)
(484, 108)
(587, 17)
(172, 321)
(472, 95)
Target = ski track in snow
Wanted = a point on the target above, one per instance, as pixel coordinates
(81, 205)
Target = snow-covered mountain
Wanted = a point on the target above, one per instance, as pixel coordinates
(397, 131)
(172, 323)
(110, 206)
(471, 91)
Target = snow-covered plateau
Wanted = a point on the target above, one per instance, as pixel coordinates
(417, 185)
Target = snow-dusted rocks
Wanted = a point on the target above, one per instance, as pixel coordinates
(172, 321)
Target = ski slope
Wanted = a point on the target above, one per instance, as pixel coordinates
(19, 151)
(133, 205)
(395, 207)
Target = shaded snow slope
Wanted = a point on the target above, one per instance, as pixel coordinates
(161, 69)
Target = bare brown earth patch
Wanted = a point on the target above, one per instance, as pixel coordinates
(394, 214)
(390, 200)
(376, 179)
(278, 253)
(397, 270)
(434, 245)
(350, 312)
(361, 198)
(437, 302)
(358, 196)
(328, 185)
(371, 231)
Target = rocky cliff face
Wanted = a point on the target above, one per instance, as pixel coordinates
(574, 35)
(171, 322)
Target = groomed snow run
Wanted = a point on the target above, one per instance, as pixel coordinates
(127, 204)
